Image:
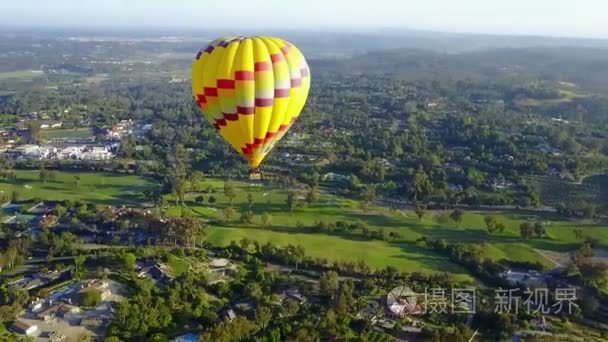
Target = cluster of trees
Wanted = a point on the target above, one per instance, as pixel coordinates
(577, 209)
(359, 228)
(155, 311)
(15, 253)
(528, 230)
(471, 257)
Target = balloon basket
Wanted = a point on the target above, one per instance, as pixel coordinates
(255, 175)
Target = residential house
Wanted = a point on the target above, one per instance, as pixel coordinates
(50, 124)
(65, 310)
(294, 293)
(334, 177)
(42, 208)
(22, 327)
(91, 322)
(526, 278)
(229, 315)
(155, 271)
(49, 313)
(221, 266)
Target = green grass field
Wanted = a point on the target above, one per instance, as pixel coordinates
(20, 74)
(403, 253)
(67, 133)
(98, 188)
(565, 95)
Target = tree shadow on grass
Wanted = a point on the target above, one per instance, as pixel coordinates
(294, 231)
(427, 257)
(479, 236)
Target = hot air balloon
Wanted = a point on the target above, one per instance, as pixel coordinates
(251, 89)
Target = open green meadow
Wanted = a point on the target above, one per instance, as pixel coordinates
(402, 252)
(67, 133)
(285, 227)
(20, 74)
(94, 187)
(565, 95)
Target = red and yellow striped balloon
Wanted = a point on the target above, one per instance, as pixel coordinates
(251, 89)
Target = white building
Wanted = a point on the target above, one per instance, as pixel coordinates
(97, 153)
(50, 124)
(29, 151)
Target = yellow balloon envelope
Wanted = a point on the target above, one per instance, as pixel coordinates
(251, 89)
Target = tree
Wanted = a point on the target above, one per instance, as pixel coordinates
(79, 266)
(589, 305)
(594, 272)
(526, 230)
(159, 337)
(456, 216)
(228, 213)
(585, 251)
(263, 315)
(368, 195)
(354, 182)
(420, 211)
(15, 196)
(43, 175)
(266, 219)
(76, 182)
(329, 283)
(33, 128)
(312, 195)
(491, 223)
(247, 217)
(422, 185)
(178, 186)
(91, 298)
(250, 201)
(185, 229)
(245, 243)
(475, 177)
(291, 200)
(229, 192)
(297, 253)
(255, 291)
(211, 199)
(500, 227)
(12, 256)
(128, 261)
(539, 230)
(578, 233)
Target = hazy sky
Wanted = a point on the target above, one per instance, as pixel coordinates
(581, 18)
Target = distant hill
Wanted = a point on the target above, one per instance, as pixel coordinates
(583, 66)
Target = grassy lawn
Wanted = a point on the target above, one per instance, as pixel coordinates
(403, 253)
(178, 265)
(67, 133)
(99, 188)
(565, 95)
(20, 74)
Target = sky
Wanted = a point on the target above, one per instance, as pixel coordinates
(565, 18)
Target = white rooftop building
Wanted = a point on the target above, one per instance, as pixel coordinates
(402, 301)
